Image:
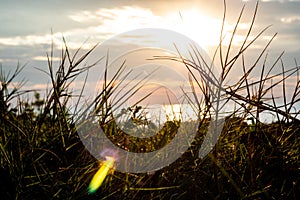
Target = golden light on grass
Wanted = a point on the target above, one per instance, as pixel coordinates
(100, 175)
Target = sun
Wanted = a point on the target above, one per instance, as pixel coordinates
(203, 29)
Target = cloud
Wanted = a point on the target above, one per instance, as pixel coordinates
(290, 20)
(45, 58)
(26, 33)
(92, 26)
(29, 40)
(101, 24)
(38, 18)
(116, 20)
(83, 16)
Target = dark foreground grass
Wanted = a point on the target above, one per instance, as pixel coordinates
(257, 161)
(42, 156)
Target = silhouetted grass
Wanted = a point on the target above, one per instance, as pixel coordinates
(42, 156)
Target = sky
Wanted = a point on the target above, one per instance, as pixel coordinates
(29, 27)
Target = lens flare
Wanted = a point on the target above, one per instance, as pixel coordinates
(100, 175)
(152, 88)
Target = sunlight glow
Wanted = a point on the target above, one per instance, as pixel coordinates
(203, 29)
(173, 112)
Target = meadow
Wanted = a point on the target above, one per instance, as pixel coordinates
(42, 156)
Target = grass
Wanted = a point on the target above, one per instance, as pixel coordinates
(42, 155)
